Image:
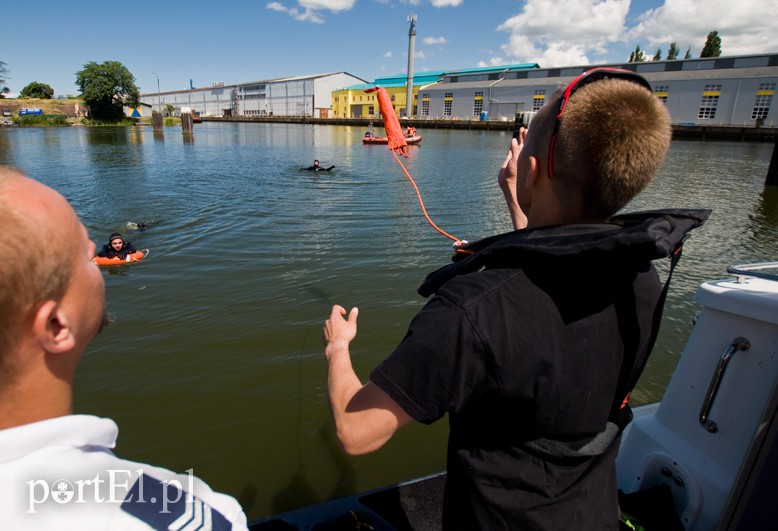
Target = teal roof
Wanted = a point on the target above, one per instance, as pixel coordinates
(399, 80)
(487, 69)
(425, 78)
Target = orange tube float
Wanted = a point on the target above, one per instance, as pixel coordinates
(394, 130)
(130, 259)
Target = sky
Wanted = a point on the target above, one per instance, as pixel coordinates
(167, 43)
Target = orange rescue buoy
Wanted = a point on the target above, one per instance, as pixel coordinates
(130, 259)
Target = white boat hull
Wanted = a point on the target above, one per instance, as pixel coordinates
(706, 441)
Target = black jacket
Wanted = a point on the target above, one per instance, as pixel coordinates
(108, 252)
(529, 345)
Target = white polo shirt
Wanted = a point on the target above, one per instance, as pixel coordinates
(61, 474)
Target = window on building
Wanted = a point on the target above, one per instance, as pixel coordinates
(661, 92)
(425, 104)
(478, 103)
(538, 99)
(448, 100)
(764, 98)
(370, 110)
(710, 100)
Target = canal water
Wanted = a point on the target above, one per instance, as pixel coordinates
(214, 360)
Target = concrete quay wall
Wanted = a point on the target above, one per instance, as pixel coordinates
(680, 131)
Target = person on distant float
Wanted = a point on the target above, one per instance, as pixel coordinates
(316, 167)
(116, 247)
(411, 132)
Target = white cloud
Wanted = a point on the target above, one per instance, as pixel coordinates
(577, 32)
(564, 32)
(745, 26)
(388, 55)
(310, 11)
(434, 40)
(445, 3)
(494, 61)
(330, 5)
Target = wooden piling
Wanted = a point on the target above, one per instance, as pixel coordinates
(156, 121)
(772, 170)
(187, 124)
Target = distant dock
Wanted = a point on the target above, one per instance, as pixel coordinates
(680, 131)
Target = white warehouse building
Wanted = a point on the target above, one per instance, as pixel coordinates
(737, 90)
(291, 96)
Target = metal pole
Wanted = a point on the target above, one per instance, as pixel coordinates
(409, 89)
(159, 96)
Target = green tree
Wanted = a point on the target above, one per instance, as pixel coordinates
(637, 56)
(106, 88)
(712, 46)
(3, 72)
(672, 52)
(37, 90)
(688, 53)
(658, 55)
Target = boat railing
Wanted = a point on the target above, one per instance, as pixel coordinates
(744, 271)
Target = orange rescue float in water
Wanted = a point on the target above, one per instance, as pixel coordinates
(131, 258)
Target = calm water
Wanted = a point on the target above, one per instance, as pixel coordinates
(214, 361)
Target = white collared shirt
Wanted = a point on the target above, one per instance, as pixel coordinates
(61, 474)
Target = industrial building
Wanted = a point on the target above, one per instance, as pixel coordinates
(705, 91)
(726, 91)
(291, 96)
(354, 102)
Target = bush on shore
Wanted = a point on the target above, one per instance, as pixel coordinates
(42, 120)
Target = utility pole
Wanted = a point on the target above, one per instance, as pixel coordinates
(409, 89)
(159, 96)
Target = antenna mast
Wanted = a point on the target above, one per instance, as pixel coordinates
(409, 89)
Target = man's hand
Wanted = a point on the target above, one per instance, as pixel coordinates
(507, 179)
(338, 332)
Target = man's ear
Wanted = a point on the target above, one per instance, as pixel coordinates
(531, 178)
(52, 328)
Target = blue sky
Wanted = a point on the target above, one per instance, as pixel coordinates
(233, 41)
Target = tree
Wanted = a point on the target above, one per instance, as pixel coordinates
(658, 55)
(637, 56)
(3, 72)
(712, 46)
(37, 90)
(106, 88)
(688, 53)
(672, 52)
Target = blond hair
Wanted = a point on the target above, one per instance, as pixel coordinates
(612, 139)
(35, 267)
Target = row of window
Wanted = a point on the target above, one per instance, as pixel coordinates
(707, 110)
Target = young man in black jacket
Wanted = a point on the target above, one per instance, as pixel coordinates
(116, 247)
(532, 340)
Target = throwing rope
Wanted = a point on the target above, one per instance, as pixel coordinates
(398, 145)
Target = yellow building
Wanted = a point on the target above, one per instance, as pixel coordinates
(354, 102)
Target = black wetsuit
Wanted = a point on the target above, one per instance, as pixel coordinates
(108, 252)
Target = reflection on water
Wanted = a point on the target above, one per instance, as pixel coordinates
(214, 358)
